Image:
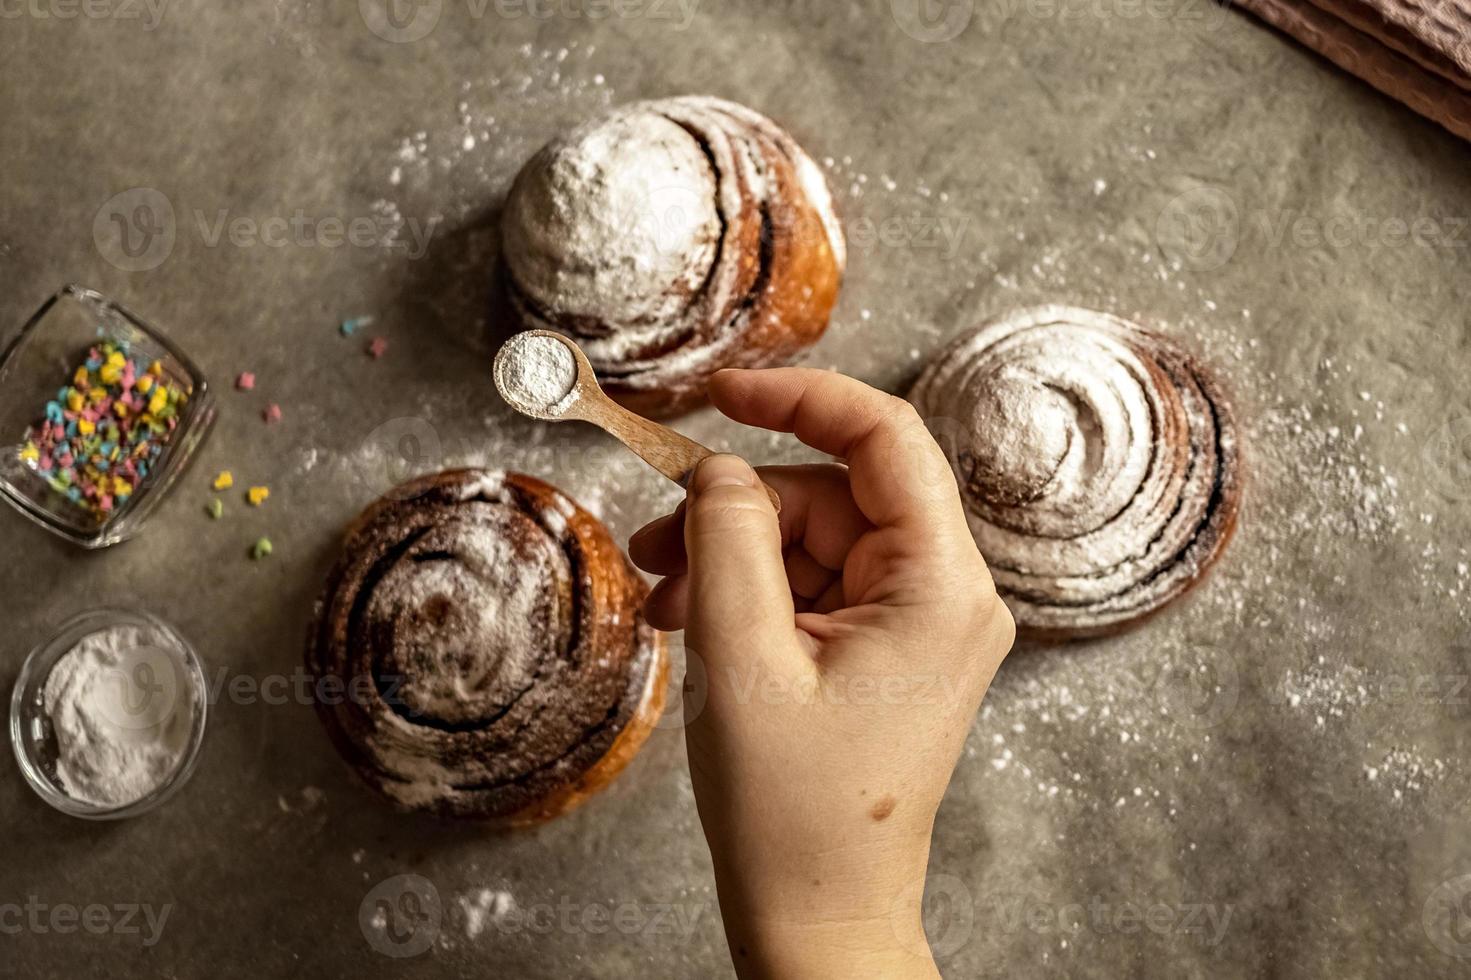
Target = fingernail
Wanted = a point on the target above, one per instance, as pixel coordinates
(722, 471)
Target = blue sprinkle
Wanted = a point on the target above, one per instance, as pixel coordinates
(350, 325)
(71, 428)
(53, 412)
(102, 465)
(74, 494)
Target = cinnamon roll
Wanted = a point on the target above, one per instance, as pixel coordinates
(1098, 463)
(671, 239)
(480, 651)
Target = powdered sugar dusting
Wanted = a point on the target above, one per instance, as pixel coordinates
(537, 374)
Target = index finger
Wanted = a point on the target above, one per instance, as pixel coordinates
(899, 475)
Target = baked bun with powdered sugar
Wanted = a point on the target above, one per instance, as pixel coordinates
(673, 238)
(1098, 462)
(483, 642)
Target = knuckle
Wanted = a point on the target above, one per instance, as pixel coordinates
(726, 509)
(899, 414)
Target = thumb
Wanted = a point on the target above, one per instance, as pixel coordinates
(738, 592)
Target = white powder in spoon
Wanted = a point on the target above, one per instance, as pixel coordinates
(122, 712)
(537, 374)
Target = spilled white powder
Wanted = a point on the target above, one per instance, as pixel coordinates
(122, 713)
(537, 374)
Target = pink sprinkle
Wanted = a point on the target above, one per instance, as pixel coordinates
(246, 381)
(272, 414)
(105, 503)
(377, 348)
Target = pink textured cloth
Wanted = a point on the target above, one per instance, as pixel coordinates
(1417, 51)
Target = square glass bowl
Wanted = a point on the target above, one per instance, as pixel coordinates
(40, 361)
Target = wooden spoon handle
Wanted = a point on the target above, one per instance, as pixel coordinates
(671, 453)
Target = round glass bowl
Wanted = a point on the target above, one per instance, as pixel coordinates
(166, 678)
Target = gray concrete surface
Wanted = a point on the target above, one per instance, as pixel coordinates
(1267, 781)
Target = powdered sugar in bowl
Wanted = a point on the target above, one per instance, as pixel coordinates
(108, 715)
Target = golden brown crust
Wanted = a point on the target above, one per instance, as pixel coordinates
(488, 640)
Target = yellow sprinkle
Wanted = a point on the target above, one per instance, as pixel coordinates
(158, 401)
(96, 395)
(74, 400)
(121, 487)
(110, 373)
(120, 409)
(257, 495)
(144, 383)
(225, 480)
(116, 358)
(80, 378)
(30, 453)
(155, 369)
(86, 428)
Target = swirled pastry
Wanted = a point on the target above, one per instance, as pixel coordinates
(671, 239)
(1097, 460)
(485, 638)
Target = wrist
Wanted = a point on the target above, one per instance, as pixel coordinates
(821, 931)
(885, 948)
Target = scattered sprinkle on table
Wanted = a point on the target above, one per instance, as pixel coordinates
(216, 508)
(246, 381)
(261, 549)
(224, 481)
(377, 348)
(350, 326)
(272, 414)
(257, 495)
(98, 440)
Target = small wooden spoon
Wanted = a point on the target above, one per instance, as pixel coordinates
(672, 454)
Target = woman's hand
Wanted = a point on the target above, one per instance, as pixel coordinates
(845, 647)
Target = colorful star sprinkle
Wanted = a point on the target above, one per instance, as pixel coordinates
(257, 495)
(377, 348)
(216, 508)
(246, 381)
(224, 481)
(261, 549)
(271, 414)
(350, 325)
(106, 430)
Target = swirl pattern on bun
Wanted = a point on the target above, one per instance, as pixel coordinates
(485, 636)
(671, 239)
(1098, 462)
